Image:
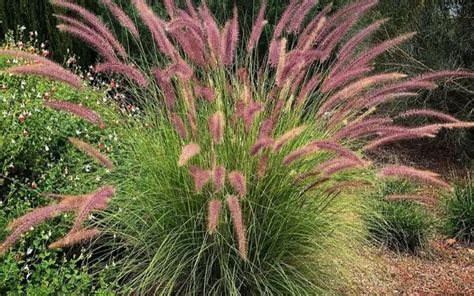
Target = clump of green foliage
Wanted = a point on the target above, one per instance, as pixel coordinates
(400, 225)
(458, 212)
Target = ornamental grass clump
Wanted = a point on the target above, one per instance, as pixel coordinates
(241, 175)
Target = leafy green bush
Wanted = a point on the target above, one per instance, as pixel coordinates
(403, 225)
(36, 158)
(458, 212)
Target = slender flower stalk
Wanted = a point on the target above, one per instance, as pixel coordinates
(75, 238)
(200, 177)
(179, 125)
(218, 177)
(92, 152)
(77, 110)
(257, 28)
(122, 17)
(288, 136)
(239, 226)
(188, 152)
(130, 72)
(427, 177)
(95, 23)
(216, 127)
(424, 199)
(428, 113)
(52, 73)
(214, 209)
(238, 182)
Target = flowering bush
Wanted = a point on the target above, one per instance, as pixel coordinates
(238, 176)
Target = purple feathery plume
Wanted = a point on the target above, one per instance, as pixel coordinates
(352, 130)
(229, 40)
(332, 39)
(257, 28)
(170, 7)
(38, 215)
(309, 86)
(204, 92)
(373, 101)
(99, 44)
(95, 201)
(322, 145)
(236, 214)
(284, 19)
(130, 72)
(190, 40)
(219, 177)
(263, 165)
(430, 76)
(88, 35)
(31, 219)
(200, 177)
(300, 153)
(179, 125)
(75, 238)
(260, 144)
(54, 73)
(180, 69)
(356, 87)
(212, 32)
(288, 136)
(339, 165)
(166, 87)
(266, 128)
(191, 9)
(426, 177)
(281, 62)
(347, 50)
(428, 113)
(339, 80)
(300, 14)
(78, 110)
(122, 17)
(313, 29)
(238, 182)
(216, 127)
(424, 199)
(213, 211)
(95, 23)
(50, 69)
(192, 123)
(274, 52)
(250, 112)
(156, 27)
(377, 50)
(391, 138)
(92, 152)
(188, 152)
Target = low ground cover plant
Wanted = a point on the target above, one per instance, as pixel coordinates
(239, 174)
(398, 223)
(458, 212)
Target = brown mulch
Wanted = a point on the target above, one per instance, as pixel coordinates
(448, 269)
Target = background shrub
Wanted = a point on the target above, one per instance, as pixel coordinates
(458, 210)
(403, 226)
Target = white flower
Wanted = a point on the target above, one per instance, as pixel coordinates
(29, 251)
(46, 148)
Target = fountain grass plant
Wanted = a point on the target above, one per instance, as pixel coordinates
(241, 176)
